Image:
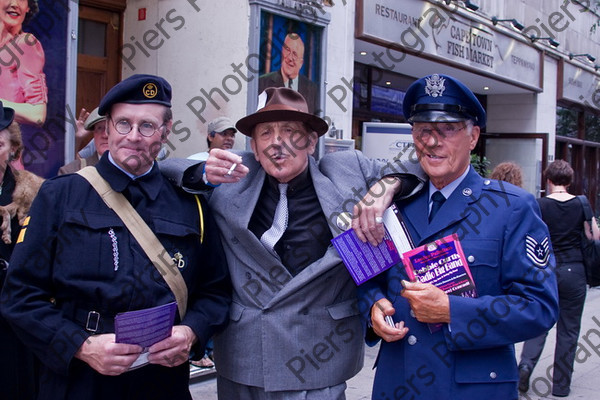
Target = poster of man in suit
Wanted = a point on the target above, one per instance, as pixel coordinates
(290, 56)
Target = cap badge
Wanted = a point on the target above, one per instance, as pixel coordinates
(179, 260)
(435, 85)
(150, 90)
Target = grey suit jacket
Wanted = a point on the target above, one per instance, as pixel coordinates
(285, 332)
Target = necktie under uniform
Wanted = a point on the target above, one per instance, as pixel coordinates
(437, 199)
(280, 220)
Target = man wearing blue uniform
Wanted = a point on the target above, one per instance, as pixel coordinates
(76, 265)
(507, 248)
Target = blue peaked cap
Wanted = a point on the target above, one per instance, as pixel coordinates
(442, 98)
(137, 89)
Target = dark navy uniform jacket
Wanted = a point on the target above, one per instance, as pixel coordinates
(75, 255)
(507, 247)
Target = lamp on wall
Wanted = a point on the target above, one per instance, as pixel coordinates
(468, 4)
(552, 41)
(516, 24)
(586, 55)
(471, 6)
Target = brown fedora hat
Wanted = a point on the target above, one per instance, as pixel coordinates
(282, 104)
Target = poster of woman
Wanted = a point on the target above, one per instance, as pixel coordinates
(33, 42)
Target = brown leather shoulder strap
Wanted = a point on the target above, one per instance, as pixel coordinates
(141, 232)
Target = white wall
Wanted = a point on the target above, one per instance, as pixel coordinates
(340, 66)
(527, 113)
(197, 56)
(199, 53)
(567, 21)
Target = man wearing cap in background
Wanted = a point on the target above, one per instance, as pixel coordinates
(95, 123)
(294, 330)
(76, 265)
(220, 135)
(506, 245)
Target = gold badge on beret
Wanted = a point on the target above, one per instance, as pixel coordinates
(150, 90)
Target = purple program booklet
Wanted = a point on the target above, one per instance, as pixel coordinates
(365, 261)
(145, 327)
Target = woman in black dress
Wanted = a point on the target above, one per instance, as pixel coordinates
(17, 363)
(563, 213)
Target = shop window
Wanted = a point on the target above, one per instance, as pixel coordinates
(592, 127)
(92, 38)
(386, 100)
(566, 122)
(360, 97)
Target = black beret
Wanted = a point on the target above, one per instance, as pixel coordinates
(7, 115)
(137, 89)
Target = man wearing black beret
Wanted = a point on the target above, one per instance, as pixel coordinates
(77, 265)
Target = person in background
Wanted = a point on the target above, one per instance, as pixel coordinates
(95, 123)
(18, 365)
(508, 172)
(505, 243)
(563, 213)
(76, 265)
(220, 135)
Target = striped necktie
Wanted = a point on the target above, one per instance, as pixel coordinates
(272, 235)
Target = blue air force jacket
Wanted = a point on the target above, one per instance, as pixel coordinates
(508, 250)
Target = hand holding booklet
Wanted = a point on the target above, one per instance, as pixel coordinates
(145, 328)
(441, 262)
(365, 261)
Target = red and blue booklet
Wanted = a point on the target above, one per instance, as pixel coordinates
(443, 264)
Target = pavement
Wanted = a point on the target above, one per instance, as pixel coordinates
(585, 383)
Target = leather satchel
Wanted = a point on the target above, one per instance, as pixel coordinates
(142, 233)
(590, 248)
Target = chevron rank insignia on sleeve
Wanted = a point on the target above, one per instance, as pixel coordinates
(538, 253)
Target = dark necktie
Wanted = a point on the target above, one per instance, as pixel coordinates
(290, 83)
(280, 220)
(438, 199)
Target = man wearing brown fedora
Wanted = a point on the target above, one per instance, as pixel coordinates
(294, 330)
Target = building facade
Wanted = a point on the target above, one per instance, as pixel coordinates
(532, 64)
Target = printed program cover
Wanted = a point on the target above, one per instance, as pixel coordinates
(443, 264)
(365, 261)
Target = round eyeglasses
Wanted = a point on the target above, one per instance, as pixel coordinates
(146, 129)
